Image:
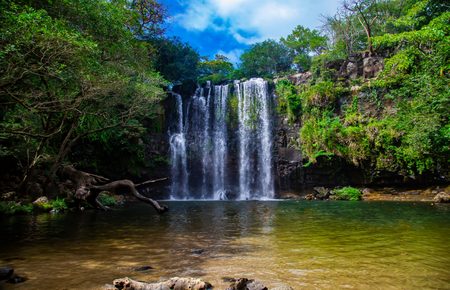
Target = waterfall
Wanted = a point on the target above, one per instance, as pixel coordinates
(227, 133)
(255, 140)
(206, 159)
(220, 140)
(177, 141)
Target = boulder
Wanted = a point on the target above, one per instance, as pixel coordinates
(300, 78)
(171, 284)
(442, 197)
(245, 284)
(35, 189)
(41, 200)
(351, 70)
(372, 65)
(310, 196)
(8, 195)
(321, 192)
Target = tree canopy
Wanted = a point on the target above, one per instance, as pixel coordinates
(71, 71)
(266, 59)
(304, 42)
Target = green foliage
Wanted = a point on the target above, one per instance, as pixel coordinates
(12, 207)
(321, 94)
(266, 59)
(304, 41)
(347, 193)
(106, 199)
(175, 60)
(58, 204)
(233, 116)
(74, 70)
(217, 70)
(398, 122)
(289, 101)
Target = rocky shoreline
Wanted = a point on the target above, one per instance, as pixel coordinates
(189, 284)
(434, 194)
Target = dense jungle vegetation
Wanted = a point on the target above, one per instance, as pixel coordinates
(82, 82)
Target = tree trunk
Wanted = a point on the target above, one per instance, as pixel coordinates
(87, 188)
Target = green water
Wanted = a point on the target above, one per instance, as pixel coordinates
(307, 245)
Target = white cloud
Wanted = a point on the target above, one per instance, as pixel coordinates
(250, 21)
(232, 55)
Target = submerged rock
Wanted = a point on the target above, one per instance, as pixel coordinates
(6, 273)
(284, 287)
(143, 268)
(246, 284)
(197, 251)
(15, 279)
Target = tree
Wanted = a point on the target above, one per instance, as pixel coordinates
(304, 42)
(61, 81)
(266, 59)
(175, 60)
(149, 15)
(217, 70)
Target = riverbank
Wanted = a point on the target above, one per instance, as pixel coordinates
(440, 194)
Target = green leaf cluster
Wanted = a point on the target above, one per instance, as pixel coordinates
(347, 193)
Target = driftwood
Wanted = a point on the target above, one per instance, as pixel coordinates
(88, 187)
(173, 283)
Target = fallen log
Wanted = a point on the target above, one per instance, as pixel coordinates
(173, 283)
(89, 186)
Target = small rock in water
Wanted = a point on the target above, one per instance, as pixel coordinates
(16, 279)
(143, 268)
(108, 287)
(197, 251)
(283, 288)
(245, 284)
(6, 273)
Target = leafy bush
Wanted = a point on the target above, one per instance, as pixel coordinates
(289, 101)
(106, 199)
(322, 94)
(58, 204)
(12, 207)
(347, 193)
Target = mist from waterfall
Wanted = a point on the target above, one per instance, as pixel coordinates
(217, 157)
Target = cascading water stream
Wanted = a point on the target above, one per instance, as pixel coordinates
(177, 141)
(255, 140)
(228, 158)
(220, 140)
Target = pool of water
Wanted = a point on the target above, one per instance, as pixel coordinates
(307, 245)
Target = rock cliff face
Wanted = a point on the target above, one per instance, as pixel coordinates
(289, 166)
(293, 175)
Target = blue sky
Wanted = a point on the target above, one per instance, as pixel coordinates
(229, 27)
